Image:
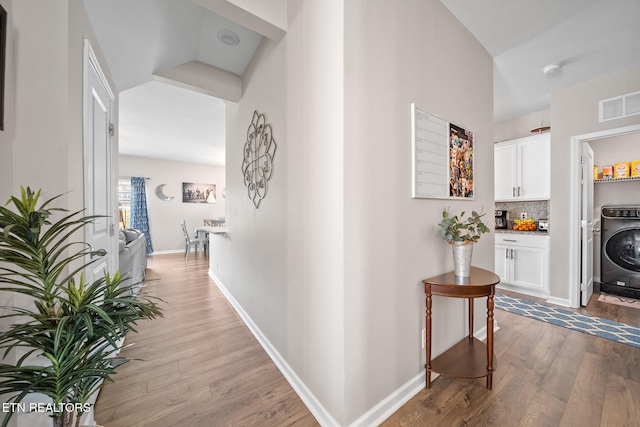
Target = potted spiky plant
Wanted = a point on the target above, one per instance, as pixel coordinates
(67, 333)
(461, 232)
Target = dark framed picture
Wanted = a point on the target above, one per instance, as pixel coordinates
(198, 193)
(460, 162)
(3, 54)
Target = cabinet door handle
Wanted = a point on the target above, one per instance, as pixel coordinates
(518, 191)
(509, 240)
(511, 253)
(514, 191)
(507, 253)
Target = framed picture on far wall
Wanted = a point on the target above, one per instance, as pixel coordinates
(460, 162)
(198, 193)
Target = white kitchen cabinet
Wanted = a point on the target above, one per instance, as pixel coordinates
(522, 262)
(504, 171)
(522, 168)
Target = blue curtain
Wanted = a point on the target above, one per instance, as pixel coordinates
(139, 215)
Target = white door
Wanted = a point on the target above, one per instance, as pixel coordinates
(98, 170)
(587, 224)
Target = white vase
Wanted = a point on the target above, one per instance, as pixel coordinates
(462, 252)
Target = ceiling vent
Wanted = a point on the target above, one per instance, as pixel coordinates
(620, 106)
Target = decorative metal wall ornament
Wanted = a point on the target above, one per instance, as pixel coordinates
(257, 164)
(160, 193)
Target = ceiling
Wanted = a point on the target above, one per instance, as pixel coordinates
(588, 38)
(142, 37)
(167, 122)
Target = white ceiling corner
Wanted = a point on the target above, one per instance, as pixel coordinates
(143, 37)
(589, 38)
(155, 123)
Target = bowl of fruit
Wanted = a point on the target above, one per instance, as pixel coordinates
(525, 225)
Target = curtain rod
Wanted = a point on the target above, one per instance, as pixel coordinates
(129, 177)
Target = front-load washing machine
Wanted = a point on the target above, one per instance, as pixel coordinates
(620, 254)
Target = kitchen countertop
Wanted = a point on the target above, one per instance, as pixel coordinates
(219, 229)
(509, 231)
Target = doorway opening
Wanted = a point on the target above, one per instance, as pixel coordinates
(579, 204)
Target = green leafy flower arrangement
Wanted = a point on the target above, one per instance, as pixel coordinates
(457, 228)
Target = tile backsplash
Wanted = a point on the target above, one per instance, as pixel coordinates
(535, 209)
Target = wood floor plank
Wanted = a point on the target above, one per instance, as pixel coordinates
(547, 376)
(539, 414)
(200, 365)
(560, 377)
(589, 387)
(621, 402)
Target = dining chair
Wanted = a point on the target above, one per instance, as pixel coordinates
(189, 241)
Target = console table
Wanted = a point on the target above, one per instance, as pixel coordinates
(470, 358)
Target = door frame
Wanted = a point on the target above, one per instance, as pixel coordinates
(90, 61)
(588, 226)
(576, 204)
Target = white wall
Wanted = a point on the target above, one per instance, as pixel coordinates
(574, 111)
(165, 216)
(42, 140)
(265, 259)
(282, 261)
(396, 54)
(47, 111)
(519, 127)
(329, 268)
(615, 149)
(7, 136)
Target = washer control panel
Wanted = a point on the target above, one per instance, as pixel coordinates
(620, 212)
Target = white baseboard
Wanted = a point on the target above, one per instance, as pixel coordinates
(559, 301)
(373, 417)
(315, 407)
(524, 291)
(390, 404)
(552, 300)
(172, 251)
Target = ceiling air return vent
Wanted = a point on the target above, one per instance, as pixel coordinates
(620, 106)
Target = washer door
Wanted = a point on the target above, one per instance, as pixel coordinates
(623, 249)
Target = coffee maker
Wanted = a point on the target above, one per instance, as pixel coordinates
(501, 219)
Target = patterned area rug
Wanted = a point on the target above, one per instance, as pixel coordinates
(597, 326)
(618, 300)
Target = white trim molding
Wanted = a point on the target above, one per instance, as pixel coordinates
(374, 416)
(390, 404)
(574, 228)
(563, 302)
(313, 404)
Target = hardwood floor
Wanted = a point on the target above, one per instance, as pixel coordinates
(202, 367)
(546, 376)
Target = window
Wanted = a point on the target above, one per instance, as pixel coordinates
(124, 203)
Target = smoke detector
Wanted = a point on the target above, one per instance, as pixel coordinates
(228, 37)
(551, 69)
